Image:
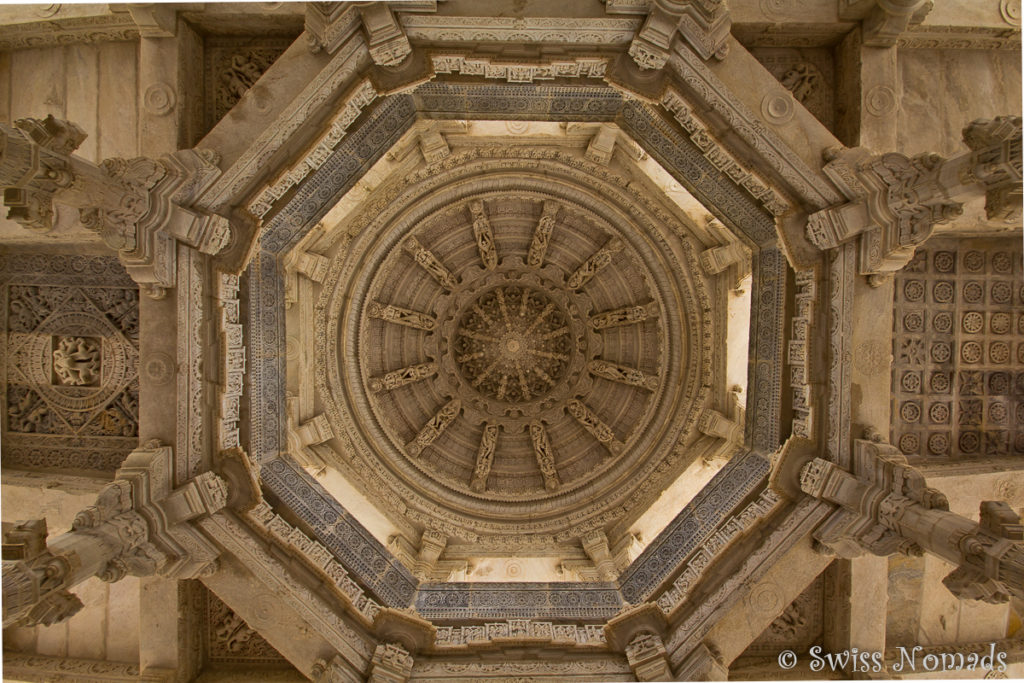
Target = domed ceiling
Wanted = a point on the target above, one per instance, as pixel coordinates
(511, 345)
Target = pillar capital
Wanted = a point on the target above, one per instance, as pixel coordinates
(895, 201)
(139, 525)
(140, 207)
(885, 506)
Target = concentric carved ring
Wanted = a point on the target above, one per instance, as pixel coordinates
(513, 344)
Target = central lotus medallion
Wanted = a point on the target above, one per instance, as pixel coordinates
(513, 344)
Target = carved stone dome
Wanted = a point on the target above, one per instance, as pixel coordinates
(510, 345)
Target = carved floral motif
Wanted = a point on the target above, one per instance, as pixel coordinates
(72, 362)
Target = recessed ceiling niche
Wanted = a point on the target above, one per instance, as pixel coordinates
(511, 345)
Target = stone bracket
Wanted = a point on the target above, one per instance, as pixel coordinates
(329, 24)
(140, 207)
(705, 25)
(890, 19)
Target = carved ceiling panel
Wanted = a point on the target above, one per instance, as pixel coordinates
(958, 336)
(229, 640)
(71, 353)
(233, 65)
(808, 73)
(798, 627)
(509, 334)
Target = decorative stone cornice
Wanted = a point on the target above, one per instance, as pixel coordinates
(894, 201)
(140, 207)
(139, 526)
(518, 632)
(886, 507)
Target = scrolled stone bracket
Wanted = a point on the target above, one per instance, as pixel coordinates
(140, 207)
(704, 24)
(894, 201)
(303, 435)
(329, 24)
(885, 506)
(139, 525)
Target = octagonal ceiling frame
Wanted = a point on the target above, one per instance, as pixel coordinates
(378, 128)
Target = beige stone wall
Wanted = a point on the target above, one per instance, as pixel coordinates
(107, 627)
(91, 85)
(944, 90)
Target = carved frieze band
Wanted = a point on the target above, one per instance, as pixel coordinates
(28, 667)
(327, 177)
(362, 554)
(232, 339)
(766, 333)
(519, 72)
(192, 304)
(798, 353)
(523, 101)
(351, 108)
(690, 166)
(841, 272)
(593, 31)
(111, 27)
(695, 523)
(520, 632)
(962, 37)
(716, 154)
(266, 354)
(584, 601)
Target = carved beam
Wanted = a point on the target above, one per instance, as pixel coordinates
(139, 526)
(895, 201)
(140, 207)
(703, 664)
(885, 507)
(704, 24)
